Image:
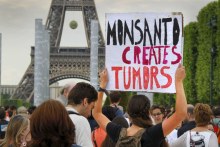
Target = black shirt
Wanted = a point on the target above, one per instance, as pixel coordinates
(152, 137)
(187, 126)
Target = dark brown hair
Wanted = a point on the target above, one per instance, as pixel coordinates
(138, 110)
(162, 110)
(115, 96)
(80, 91)
(202, 114)
(51, 126)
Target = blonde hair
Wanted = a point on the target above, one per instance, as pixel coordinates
(17, 125)
(202, 114)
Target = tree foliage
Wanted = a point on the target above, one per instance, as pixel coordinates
(199, 38)
(190, 58)
(206, 43)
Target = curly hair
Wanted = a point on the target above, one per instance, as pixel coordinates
(51, 126)
(202, 114)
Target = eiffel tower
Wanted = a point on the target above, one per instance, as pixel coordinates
(65, 62)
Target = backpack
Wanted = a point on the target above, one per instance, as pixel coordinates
(129, 141)
(199, 140)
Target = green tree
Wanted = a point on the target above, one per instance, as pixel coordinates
(205, 43)
(190, 58)
(199, 39)
(217, 69)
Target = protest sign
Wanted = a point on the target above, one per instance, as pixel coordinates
(143, 51)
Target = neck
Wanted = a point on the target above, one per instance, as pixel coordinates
(114, 104)
(76, 107)
(201, 128)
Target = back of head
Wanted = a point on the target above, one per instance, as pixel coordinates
(51, 125)
(22, 111)
(202, 114)
(115, 96)
(109, 112)
(80, 91)
(31, 109)
(15, 129)
(190, 109)
(67, 87)
(138, 110)
(13, 107)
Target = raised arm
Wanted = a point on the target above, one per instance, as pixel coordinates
(181, 104)
(100, 118)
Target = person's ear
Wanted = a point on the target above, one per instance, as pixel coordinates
(85, 101)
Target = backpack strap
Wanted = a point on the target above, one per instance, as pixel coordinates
(123, 132)
(72, 112)
(192, 143)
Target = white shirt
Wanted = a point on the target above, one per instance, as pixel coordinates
(210, 139)
(172, 136)
(83, 130)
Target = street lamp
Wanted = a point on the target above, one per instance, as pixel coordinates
(212, 24)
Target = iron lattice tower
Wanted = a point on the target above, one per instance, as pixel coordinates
(65, 62)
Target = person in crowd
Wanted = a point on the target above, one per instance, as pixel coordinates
(98, 134)
(31, 109)
(22, 110)
(63, 98)
(167, 111)
(138, 111)
(3, 123)
(13, 109)
(51, 126)
(117, 120)
(216, 122)
(6, 111)
(115, 98)
(18, 132)
(81, 101)
(189, 122)
(157, 113)
(200, 135)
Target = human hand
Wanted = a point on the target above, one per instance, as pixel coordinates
(103, 78)
(180, 73)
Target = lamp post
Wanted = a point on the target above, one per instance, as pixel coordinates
(212, 24)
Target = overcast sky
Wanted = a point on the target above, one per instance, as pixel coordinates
(17, 22)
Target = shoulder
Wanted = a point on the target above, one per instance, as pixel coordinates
(113, 130)
(112, 126)
(153, 135)
(155, 128)
(179, 142)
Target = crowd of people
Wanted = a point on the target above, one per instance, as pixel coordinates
(78, 118)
